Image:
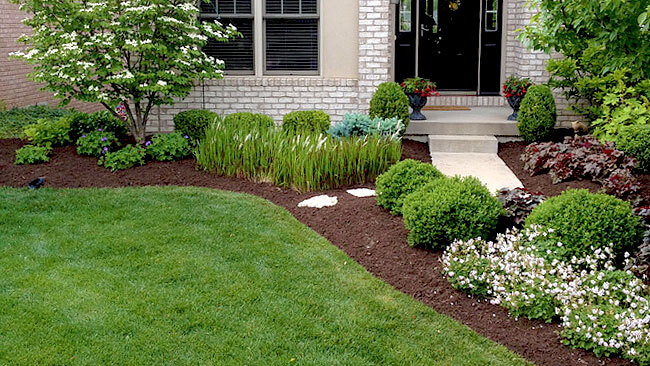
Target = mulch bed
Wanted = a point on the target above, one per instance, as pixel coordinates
(367, 233)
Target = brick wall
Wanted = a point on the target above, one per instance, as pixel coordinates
(15, 89)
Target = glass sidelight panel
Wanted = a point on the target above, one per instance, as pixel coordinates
(492, 15)
(405, 11)
(431, 10)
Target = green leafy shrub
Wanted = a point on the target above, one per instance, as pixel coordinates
(49, 133)
(14, 121)
(537, 115)
(401, 180)
(32, 155)
(95, 143)
(193, 123)
(621, 107)
(389, 101)
(168, 147)
(635, 142)
(83, 123)
(125, 158)
(250, 121)
(306, 122)
(582, 220)
(449, 209)
(304, 162)
(356, 124)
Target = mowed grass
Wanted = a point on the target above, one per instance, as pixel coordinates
(189, 276)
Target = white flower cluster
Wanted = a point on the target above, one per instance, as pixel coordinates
(601, 308)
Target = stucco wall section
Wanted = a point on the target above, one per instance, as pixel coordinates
(340, 24)
(15, 89)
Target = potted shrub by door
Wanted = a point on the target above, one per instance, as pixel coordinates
(514, 89)
(418, 90)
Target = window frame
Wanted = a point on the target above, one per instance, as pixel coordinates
(221, 16)
(316, 16)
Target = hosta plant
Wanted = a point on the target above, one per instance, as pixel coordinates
(641, 264)
(95, 143)
(519, 203)
(583, 157)
(600, 308)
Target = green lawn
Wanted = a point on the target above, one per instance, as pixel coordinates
(194, 276)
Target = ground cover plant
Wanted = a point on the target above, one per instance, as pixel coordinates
(357, 124)
(125, 158)
(48, 133)
(14, 121)
(583, 157)
(83, 123)
(305, 162)
(96, 143)
(601, 308)
(165, 275)
(32, 155)
(519, 203)
(168, 147)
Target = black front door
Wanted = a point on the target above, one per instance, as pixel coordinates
(455, 43)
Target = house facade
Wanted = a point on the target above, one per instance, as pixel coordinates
(332, 54)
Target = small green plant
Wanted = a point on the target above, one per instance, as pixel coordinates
(126, 158)
(389, 101)
(193, 123)
(401, 180)
(169, 147)
(49, 133)
(83, 123)
(537, 115)
(250, 121)
(306, 122)
(14, 121)
(449, 209)
(635, 142)
(356, 124)
(582, 220)
(30, 154)
(96, 143)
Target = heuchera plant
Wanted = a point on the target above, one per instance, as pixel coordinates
(142, 53)
(423, 87)
(516, 87)
(641, 265)
(519, 203)
(583, 157)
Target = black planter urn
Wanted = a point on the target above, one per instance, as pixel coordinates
(417, 101)
(515, 103)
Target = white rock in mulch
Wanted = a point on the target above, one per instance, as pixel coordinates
(319, 202)
(362, 192)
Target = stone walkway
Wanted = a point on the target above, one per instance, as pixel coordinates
(489, 168)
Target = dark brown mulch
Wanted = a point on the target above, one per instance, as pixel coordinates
(367, 233)
(511, 152)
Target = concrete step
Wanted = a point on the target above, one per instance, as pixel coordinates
(504, 128)
(488, 168)
(463, 144)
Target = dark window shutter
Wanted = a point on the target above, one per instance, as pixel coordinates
(292, 45)
(238, 53)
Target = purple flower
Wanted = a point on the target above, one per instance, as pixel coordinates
(104, 139)
(104, 150)
(187, 137)
(83, 136)
(147, 143)
(99, 129)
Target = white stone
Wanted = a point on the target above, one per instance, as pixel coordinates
(362, 192)
(319, 202)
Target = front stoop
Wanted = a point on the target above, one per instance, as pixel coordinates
(480, 121)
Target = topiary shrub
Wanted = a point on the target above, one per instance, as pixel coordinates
(402, 179)
(449, 209)
(537, 115)
(193, 123)
(389, 101)
(306, 122)
(248, 120)
(635, 142)
(580, 219)
(83, 123)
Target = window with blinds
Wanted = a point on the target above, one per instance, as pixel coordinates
(238, 54)
(291, 37)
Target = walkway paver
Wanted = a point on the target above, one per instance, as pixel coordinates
(488, 168)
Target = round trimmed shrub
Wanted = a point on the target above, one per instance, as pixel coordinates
(581, 219)
(389, 101)
(306, 122)
(248, 120)
(193, 123)
(537, 115)
(402, 179)
(449, 209)
(635, 142)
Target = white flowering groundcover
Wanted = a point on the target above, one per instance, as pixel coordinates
(601, 308)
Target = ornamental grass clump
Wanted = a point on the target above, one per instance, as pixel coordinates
(401, 180)
(601, 308)
(304, 162)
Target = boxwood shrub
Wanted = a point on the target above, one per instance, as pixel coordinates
(449, 209)
(248, 120)
(389, 101)
(537, 115)
(193, 123)
(580, 219)
(635, 142)
(402, 179)
(306, 122)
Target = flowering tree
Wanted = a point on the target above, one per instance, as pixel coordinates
(142, 53)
